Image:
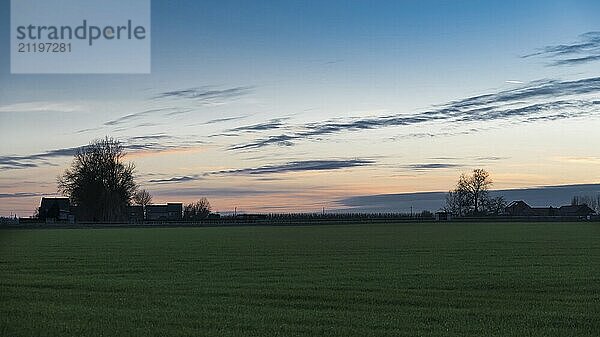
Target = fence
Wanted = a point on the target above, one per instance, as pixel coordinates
(293, 221)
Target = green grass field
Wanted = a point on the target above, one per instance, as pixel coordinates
(358, 280)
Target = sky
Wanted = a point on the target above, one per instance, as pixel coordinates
(285, 106)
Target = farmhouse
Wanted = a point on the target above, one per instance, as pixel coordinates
(169, 211)
(54, 209)
(521, 208)
(59, 209)
(575, 210)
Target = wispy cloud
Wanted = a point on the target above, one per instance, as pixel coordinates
(299, 166)
(215, 192)
(476, 158)
(273, 124)
(21, 195)
(174, 180)
(581, 160)
(88, 130)
(536, 101)
(222, 120)
(146, 113)
(491, 158)
(443, 163)
(295, 166)
(42, 107)
(430, 166)
(146, 138)
(280, 140)
(34, 160)
(133, 145)
(586, 49)
(206, 95)
(182, 105)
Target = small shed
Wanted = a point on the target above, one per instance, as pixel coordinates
(443, 216)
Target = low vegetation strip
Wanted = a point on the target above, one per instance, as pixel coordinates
(413, 279)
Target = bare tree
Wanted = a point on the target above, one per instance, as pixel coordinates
(591, 201)
(98, 182)
(477, 186)
(470, 194)
(197, 210)
(457, 202)
(494, 206)
(142, 197)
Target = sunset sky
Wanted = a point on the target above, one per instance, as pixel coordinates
(296, 105)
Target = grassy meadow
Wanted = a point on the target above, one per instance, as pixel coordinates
(444, 279)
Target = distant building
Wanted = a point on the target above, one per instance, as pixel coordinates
(576, 210)
(54, 209)
(521, 208)
(175, 210)
(251, 216)
(135, 213)
(156, 212)
(443, 216)
(59, 209)
(169, 211)
(76, 213)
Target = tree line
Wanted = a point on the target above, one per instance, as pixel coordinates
(102, 185)
(592, 201)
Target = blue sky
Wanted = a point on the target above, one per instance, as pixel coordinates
(325, 100)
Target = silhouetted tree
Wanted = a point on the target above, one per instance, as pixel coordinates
(142, 197)
(197, 210)
(458, 202)
(477, 186)
(591, 201)
(470, 194)
(494, 206)
(99, 182)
